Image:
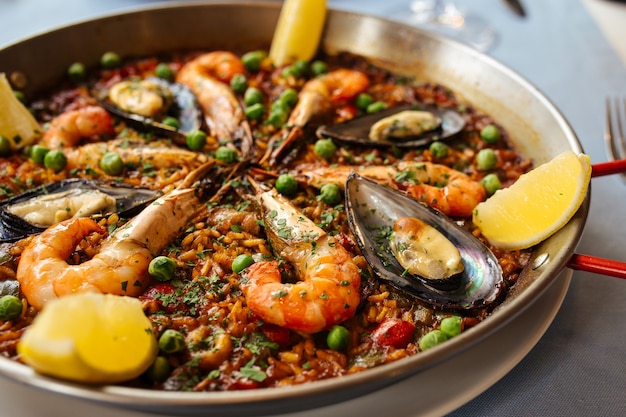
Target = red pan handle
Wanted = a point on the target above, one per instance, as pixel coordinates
(591, 263)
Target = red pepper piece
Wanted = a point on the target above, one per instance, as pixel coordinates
(394, 332)
(279, 335)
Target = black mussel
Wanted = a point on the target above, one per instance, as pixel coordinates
(406, 126)
(144, 103)
(420, 250)
(37, 209)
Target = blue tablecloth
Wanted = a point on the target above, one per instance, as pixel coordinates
(579, 366)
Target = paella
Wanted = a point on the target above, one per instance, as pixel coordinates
(264, 217)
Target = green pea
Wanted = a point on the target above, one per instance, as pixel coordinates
(278, 113)
(226, 154)
(363, 101)
(432, 339)
(252, 96)
(111, 163)
(289, 97)
(5, 146)
(451, 326)
(162, 268)
(291, 71)
(55, 160)
(252, 60)
(171, 341)
(375, 107)
(20, 96)
(255, 112)
(38, 153)
(325, 148)
(486, 159)
(110, 60)
(171, 122)
(490, 134)
(439, 149)
(10, 307)
(159, 370)
(338, 338)
(164, 72)
(319, 68)
(302, 67)
(77, 71)
(330, 194)
(239, 83)
(491, 182)
(241, 262)
(196, 140)
(286, 184)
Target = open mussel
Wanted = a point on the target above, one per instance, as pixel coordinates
(37, 209)
(406, 126)
(144, 104)
(448, 267)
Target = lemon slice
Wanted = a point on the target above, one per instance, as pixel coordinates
(538, 204)
(16, 123)
(298, 32)
(90, 337)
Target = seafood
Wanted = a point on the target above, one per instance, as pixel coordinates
(69, 128)
(121, 265)
(329, 290)
(317, 97)
(448, 190)
(207, 77)
(406, 126)
(372, 211)
(35, 210)
(137, 152)
(144, 104)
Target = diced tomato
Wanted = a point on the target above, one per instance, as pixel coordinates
(394, 332)
(345, 241)
(244, 383)
(157, 292)
(347, 112)
(279, 335)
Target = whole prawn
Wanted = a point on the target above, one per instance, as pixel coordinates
(317, 96)
(448, 190)
(329, 290)
(121, 265)
(208, 76)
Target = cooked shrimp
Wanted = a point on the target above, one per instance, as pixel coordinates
(208, 77)
(159, 154)
(316, 97)
(448, 190)
(69, 128)
(329, 291)
(121, 265)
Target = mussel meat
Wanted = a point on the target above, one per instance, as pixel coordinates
(373, 210)
(37, 209)
(144, 103)
(406, 126)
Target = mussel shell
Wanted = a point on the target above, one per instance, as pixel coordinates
(373, 208)
(356, 131)
(185, 109)
(129, 201)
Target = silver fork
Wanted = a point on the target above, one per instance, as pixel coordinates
(613, 130)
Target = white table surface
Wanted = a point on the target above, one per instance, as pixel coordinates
(574, 52)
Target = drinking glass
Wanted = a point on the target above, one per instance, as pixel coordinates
(449, 18)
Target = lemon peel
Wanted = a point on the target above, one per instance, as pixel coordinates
(537, 205)
(298, 31)
(90, 337)
(17, 124)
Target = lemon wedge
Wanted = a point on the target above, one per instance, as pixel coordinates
(90, 337)
(537, 205)
(298, 32)
(16, 123)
